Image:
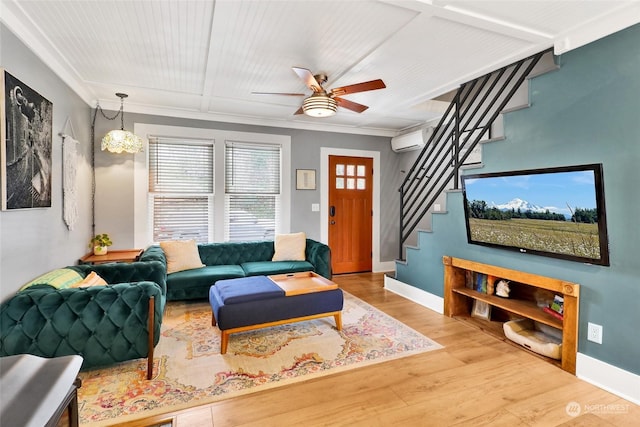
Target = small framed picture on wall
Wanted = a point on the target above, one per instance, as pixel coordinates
(305, 179)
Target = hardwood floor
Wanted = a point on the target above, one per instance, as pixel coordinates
(475, 380)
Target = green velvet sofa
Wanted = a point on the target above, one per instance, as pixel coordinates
(103, 324)
(232, 260)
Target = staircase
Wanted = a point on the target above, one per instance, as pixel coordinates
(474, 117)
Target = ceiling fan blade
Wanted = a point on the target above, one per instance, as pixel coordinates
(277, 93)
(307, 77)
(358, 87)
(299, 111)
(350, 105)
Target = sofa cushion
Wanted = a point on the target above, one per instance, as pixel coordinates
(266, 268)
(235, 253)
(181, 255)
(244, 289)
(92, 279)
(190, 284)
(60, 278)
(289, 247)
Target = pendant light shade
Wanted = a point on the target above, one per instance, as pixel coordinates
(119, 140)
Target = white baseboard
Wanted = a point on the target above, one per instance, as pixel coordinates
(426, 299)
(384, 266)
(608, 377)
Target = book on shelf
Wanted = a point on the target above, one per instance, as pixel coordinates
(481, 283)
(468, 280)
(552, 312)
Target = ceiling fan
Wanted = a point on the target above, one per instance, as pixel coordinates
(322, 103)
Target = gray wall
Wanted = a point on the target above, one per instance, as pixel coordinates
(33, 241)
(587, 112)
(115, 181)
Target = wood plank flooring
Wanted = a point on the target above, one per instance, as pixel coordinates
(475, 380)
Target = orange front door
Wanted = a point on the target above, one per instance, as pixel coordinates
(350, 213)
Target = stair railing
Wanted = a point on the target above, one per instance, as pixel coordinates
(467, 120)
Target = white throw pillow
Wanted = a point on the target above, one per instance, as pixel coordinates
(181, 255)
(290, 247)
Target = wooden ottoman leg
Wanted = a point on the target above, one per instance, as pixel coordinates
(338, 318)
(213, 319)
(224, 341)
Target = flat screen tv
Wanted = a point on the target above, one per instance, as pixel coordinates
(556, 212)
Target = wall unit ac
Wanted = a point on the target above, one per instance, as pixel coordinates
(411, 141)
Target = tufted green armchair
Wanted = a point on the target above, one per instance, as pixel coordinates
(103, 324)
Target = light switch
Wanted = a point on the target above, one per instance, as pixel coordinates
(315, 207)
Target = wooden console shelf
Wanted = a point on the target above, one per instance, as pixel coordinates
(458, 301)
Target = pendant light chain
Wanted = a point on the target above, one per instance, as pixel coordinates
(118, 113)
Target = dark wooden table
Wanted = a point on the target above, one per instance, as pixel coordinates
(36, 391)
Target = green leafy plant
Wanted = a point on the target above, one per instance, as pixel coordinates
(100, 240)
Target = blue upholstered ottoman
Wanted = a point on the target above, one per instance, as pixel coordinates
(258, 302)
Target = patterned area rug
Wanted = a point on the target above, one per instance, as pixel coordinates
(189, 369)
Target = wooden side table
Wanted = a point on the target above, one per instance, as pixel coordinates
(123, 255)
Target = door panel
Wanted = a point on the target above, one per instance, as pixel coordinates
(350, 213)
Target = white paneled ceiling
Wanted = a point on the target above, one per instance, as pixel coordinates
(203, 59)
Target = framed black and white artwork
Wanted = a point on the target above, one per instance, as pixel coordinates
(25, 145)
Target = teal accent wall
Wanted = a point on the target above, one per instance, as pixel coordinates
(586, 112)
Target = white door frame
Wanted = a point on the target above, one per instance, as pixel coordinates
(325, 152)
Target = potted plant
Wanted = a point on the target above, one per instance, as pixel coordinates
(99, 243)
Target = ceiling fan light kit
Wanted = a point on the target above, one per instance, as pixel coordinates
(324, 103)
(319, 105)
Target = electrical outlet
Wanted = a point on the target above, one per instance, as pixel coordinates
(594, 333)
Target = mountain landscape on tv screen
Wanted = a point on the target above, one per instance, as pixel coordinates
(524, 206)
(555, 212)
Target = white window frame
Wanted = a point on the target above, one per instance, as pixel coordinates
(209, 196)
(143, 236)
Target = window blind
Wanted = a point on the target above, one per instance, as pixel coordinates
(181, 188)
(252, 190)
(252, 168)
(180, 167)
(180, 218)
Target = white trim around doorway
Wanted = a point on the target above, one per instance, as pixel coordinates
(325, 152)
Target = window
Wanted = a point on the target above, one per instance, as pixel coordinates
(351, 183)
(181, 183)
(210, 185)
(252, 191)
